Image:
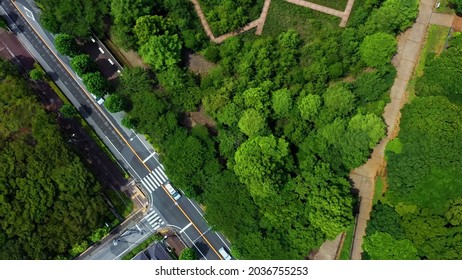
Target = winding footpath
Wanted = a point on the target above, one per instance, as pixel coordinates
(363, 178)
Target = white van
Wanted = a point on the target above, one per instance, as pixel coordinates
(99, 100)
(226, 256)
(172, 191)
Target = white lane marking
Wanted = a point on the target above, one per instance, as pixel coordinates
(101, 50)
(200, 213)
(110, 61)
(155, 179)
(200, 236)
(29, 13)
(150, 156)
(185, 228)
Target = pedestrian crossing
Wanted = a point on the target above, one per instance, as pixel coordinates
(154, 179)
(154, 220)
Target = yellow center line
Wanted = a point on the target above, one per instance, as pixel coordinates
(115, 128)
(189, 219)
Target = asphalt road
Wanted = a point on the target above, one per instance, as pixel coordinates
(130, 149)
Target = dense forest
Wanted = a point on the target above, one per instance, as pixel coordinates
(289, 114)
(49, 202)
(420, 215)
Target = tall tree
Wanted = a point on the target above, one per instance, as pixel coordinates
(77, 18)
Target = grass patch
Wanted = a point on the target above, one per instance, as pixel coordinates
(148, 242)
(445, 7)
(347, 243)
(3, 24)
(116, 52)
(335, 4)
(308, 23)
(434, 44)
(379, 184)
(81, 120)
(122, 204)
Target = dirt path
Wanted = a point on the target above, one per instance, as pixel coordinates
(363, 177)
(203, 20)
(317, 7)
(262, 19)
(346, 13)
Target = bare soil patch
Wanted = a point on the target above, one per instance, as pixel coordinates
(197, 63)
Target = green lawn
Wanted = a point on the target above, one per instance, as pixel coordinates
(309, 23)
(347, 243)
(445, 8)
(3, 24)
(379, 184)
(335, 4)
(123, 204)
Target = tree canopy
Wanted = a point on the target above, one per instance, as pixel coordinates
(49, 201)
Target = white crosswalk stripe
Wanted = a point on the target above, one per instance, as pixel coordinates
(153, 184)
(151, 175)
(148, 185)
(158, 177)
(161, 173)
(154, 220)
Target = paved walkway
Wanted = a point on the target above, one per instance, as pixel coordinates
(262, 19)
(409, 46)
(442, 19)
(344, 15)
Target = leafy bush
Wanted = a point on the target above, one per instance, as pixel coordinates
(376, 50)
(66, 45)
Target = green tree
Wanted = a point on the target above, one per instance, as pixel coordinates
(188, 254)
(83, 64)
(281, 102)
(382, 246)
(161, 51)
(392, 17)
(260, 164)
(115, 103)
(457, 4)
(147, 26)
(309, 106)
(66, 45)
(36, 74)
(376, 50)
(252, 123)
(74, 17)
(96, 83)
(134, 80)
(49, 200)
(68, 111)
(125, 13)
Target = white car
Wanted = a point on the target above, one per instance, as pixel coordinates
(176, 195)
(99, 100)
(224, 253)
